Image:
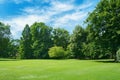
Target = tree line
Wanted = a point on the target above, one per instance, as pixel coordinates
(100, 38)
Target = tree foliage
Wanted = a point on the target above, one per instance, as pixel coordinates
(56, 52)
(13, 48)
(76, 41)
(41, 39)
(4, 39)
(100, 39)
(61, 37)
(104, 26)
(25, 48)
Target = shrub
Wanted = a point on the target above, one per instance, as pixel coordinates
(56, 52)
(118, 56)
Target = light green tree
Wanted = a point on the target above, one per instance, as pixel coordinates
(57, 52)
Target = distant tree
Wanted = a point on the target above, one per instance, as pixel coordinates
(25, 48)
(104, 24)
(61, 37)
(76, 41)
(13, 47)
(41, 39)
(4, 39)
(56, 52)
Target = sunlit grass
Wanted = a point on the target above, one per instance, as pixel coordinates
(58, 70)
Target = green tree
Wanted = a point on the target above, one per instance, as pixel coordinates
(61, 37)
(13, 47)
(91, 49)
(104, 23)
(4, 39)
(41, 39)
(25, 49)
(76, 41)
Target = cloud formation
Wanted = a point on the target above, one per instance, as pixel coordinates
(58, 14)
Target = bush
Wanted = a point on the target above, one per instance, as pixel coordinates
(118, 56)
(56, 52)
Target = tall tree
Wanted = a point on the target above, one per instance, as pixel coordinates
(104, 23)
(61, 37)
(41, 39)
(4, 39)
(76, 41)
(25, 43)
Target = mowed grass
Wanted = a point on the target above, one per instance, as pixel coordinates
(59, 70)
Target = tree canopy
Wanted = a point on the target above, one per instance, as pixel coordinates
(4, 39)
(99, 39)
(104, 25)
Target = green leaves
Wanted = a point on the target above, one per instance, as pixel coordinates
(25, 49)
(104, 25)
(41, 39)
(56, 52)
(118, 32)
(36, 40)
(61, 37)
(76, 41)
(4, 39)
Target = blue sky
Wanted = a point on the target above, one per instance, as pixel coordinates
(56, 13)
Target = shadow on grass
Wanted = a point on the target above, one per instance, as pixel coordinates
(105, 61)
(9, 59)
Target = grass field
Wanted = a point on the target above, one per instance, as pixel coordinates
(58, 70)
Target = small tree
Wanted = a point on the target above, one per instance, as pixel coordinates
(56, 52)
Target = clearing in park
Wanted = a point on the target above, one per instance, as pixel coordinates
(70, 69)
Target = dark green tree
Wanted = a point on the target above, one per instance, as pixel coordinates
(13, 48)
(76, 42)
(61, 37)
(25, 49)
(4, 39)
(104, 23)
(41, 39)
(91, 49)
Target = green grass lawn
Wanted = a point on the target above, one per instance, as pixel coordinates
(58, 70)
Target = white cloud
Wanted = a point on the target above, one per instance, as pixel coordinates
(84, 6)
(55, 7)
(54, 15)
(66, 19)
(60, 7)
(18, 23)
